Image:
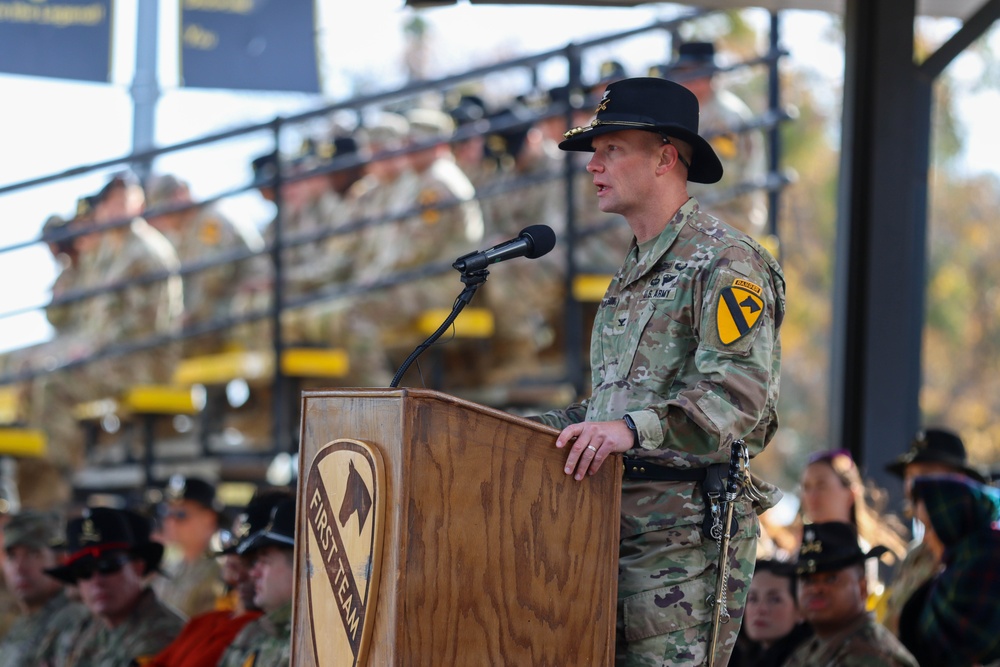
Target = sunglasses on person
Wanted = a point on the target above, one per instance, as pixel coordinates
(106, 564)
(177, 515)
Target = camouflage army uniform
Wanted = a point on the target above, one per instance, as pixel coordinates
(743, 158)
(322, 263)
(265, 642)
(530, 294)
(191, 588)
(405, 244)
(110, 318)
(864, 643)
(432, 234)
(209, 293)
(139, 310)
(149, 629)
(918, 567)
(64, 318)
(338, 322)
(658, 354)
(31, 636)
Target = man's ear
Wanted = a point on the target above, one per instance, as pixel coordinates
(668, 159)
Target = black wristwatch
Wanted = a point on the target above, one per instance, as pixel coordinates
(632, 427)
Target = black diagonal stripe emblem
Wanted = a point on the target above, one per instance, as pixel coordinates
(734, 309)
(350, 603)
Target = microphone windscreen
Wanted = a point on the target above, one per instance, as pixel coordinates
(542, 238)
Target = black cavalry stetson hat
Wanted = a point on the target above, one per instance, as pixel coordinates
(280, 530)
(251, 520)
(936, 445)
(104, 529)
(831, 546)
(653, 105)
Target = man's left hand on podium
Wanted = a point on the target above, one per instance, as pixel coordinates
(591, 443)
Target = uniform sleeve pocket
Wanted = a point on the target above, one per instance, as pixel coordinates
(666, 610)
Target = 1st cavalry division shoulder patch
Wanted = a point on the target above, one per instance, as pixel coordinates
(740, 306)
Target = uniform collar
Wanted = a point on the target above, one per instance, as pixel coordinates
(645, 262)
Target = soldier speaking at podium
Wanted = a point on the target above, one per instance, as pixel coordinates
(685, 360)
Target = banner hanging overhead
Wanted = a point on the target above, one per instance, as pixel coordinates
(249, 45)
(64, 39)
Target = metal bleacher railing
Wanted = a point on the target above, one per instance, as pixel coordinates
(283, 433)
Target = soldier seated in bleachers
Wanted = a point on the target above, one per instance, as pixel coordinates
(110, 563)
(527, 190)
(201, 234)
(742, 153)
(206, 637)
(34, 541)
(266, 642)
(191, 517)
(142, 297)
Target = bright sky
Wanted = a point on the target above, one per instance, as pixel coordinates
(47, 125)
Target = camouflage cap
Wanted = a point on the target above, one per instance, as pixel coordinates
(429, 124)
(35, 529)
(118, 181)
(162, 188)
(387, 131)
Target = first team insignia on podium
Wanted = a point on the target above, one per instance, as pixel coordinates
(344, 509)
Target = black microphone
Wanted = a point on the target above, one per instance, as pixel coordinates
(532, 242)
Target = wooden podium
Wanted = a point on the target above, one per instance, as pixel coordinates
(434, 531)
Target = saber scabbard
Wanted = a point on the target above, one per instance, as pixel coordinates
(722, 531)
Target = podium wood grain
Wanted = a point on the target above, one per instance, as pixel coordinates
(491, 556)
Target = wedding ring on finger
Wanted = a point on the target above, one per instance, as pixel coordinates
(592, 448)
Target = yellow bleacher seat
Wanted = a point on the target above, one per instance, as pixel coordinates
(314, 362)
(140, 400)
(10, 404)
(224, 367)
(590, 287)
(22, 442)
(215, 369)
(470, 323)
(159, 400)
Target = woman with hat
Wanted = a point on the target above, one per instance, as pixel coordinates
(952, 620)
(933, 451)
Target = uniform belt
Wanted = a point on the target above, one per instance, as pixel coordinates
(639, 469)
